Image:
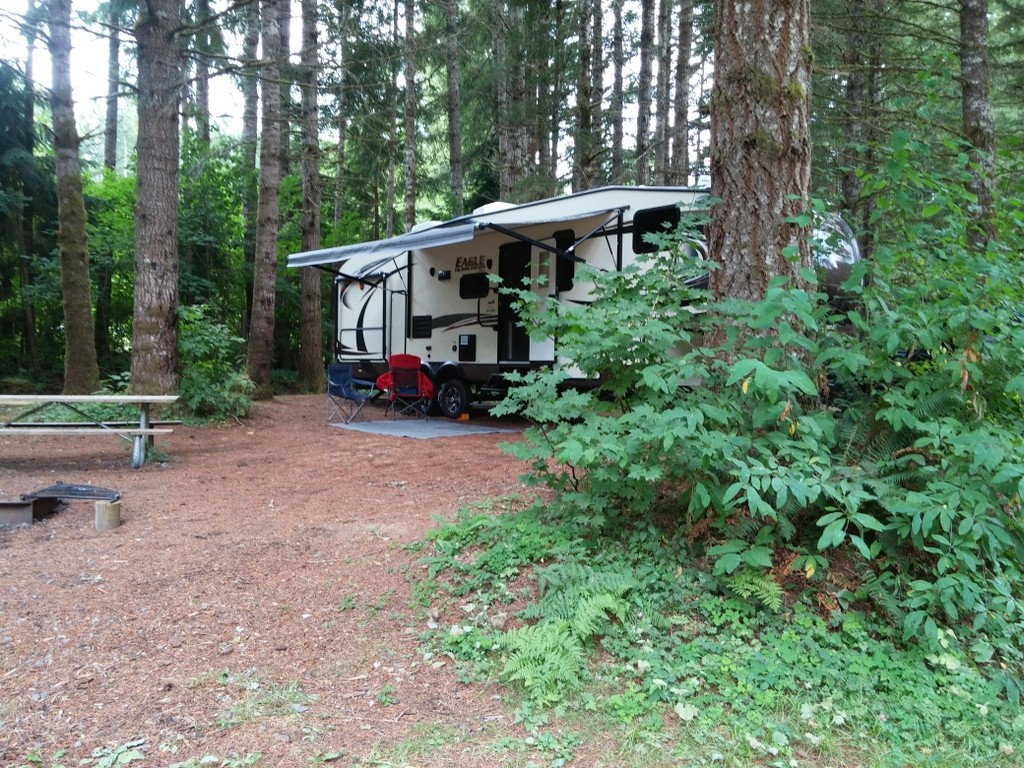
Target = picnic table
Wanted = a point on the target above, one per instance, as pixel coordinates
(136, 427)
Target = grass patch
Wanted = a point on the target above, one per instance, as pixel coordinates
(246, 699)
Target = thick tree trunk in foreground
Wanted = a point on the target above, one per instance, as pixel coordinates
(81, 372)
(259, 361)
(760, 144)
(311, 360)
(155, 320)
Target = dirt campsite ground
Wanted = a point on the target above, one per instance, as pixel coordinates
(255, 599)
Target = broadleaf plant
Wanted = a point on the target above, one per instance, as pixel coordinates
(870, 452)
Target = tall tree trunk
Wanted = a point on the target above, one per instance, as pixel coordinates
(451, 25)
(410, 114)
(260, 358)
(555, 97)
(155, 320)
(202, 58)
(339, 181)
(978, 126)
(597, 75)
(389, 210)
(679, 166)
(643, 120)
(503, 118)
(248, 84)
(311, 361)
(583, 143)
(760, 144)
(663, 95)
(27, 212)
(615, 107)
(113, 86)
(105, 267)
(81, 372)
(853, 97)
(286, 77)
(521, 156)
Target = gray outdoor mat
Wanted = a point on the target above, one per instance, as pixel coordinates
(421, 429)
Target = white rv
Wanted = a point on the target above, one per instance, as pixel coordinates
(430, 292)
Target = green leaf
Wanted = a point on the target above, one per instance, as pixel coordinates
(727, 563)
(759, 557)
(833, 535)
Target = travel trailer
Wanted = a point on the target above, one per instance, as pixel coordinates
(433, 292)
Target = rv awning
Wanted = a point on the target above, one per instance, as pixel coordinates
(456, 231)
(393, 246)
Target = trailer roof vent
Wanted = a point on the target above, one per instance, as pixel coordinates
(492, 208)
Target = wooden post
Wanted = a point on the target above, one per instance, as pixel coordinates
(108, 515)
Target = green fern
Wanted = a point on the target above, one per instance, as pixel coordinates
(751, 583)
(584, 597)
(546, 659)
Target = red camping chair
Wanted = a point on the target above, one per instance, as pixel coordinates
(409, 389)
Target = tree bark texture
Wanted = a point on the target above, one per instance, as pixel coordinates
(311, 361)
(285, 76)
(113, 87)
(663, 94)
(615, 107)
(249, 86)
(203, 48)
(410, 114)
(760, 144)
(584, 144)
(155, 319)
(643, 120)
(679, 169)
(855, 95)
(978, 123)
(454, 104)
(260, 356)
(81, 371)
(27, 212)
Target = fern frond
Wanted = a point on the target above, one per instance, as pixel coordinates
(546, 659)
(749, 583)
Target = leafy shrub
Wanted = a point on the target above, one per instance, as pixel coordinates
(213, 379)
(786, 438)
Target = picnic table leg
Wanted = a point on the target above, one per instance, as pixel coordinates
(139, 448)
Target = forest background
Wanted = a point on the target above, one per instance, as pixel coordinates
(385, 114)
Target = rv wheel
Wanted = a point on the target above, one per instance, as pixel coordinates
(453, 398)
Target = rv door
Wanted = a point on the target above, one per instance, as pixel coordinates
(522, 264)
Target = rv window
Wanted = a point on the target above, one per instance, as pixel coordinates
(653, 220)
(474, 286)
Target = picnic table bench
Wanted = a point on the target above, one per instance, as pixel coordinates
(140, 431)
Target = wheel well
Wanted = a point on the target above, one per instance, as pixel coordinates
(446, 372)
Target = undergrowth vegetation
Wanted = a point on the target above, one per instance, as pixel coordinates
(620, 632)
(782, 527)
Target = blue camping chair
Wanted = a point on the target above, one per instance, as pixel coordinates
(346, 396)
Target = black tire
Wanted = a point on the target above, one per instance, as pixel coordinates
(453, 398)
